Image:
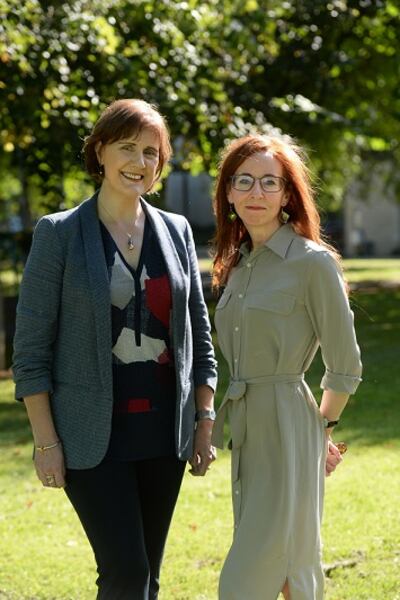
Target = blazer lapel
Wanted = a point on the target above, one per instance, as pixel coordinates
(167, 245)
(177, 279)
(99, 285)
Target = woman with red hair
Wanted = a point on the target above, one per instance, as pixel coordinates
(283, 297)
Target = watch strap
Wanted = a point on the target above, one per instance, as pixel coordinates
(328, 424)
(205, 414)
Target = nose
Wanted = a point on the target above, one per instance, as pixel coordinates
(138, 158)
(257, 190)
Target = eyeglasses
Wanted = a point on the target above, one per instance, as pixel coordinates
(269, 183)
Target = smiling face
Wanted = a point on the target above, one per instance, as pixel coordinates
(259, 209)
(130, 164)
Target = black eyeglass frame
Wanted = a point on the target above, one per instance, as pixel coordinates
(282, 180)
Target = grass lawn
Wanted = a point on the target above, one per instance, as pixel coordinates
(45, 555)
(372, 269)
(356, 269)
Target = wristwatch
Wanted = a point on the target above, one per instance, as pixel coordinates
(328, 424)
(205, 414)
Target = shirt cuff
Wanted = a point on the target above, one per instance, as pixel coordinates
(338, 382)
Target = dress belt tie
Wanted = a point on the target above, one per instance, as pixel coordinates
(236, 392)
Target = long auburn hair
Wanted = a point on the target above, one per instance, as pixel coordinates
(301, 205)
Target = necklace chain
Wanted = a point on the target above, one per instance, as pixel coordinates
(131, 245)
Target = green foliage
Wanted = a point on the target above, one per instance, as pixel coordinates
(326, 72)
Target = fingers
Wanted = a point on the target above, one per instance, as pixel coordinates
(333, 450)
(49, 480)
(60, 480)
(333, 458)
(194, 462)
(329, 469)
(50, 468)
(204, 453)
(52, 480)
(201, 461)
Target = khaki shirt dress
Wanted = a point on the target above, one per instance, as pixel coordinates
(281, 302)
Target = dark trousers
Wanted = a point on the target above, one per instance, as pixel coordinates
(126, 509)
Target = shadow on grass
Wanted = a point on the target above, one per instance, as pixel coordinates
(14, 424)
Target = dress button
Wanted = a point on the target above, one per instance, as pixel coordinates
(235, 359)
(236, 328)
(237, 492)
(248, 265)
(240, 295)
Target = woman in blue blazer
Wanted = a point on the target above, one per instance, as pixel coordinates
(113, 355)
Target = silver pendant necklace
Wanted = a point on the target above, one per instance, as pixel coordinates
(131, 245)
(130, 242)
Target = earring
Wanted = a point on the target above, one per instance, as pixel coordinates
(101, 170)
(232, 216)
(284, 216)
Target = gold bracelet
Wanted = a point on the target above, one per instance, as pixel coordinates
(44, 448)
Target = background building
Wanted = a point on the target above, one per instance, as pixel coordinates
(371, 213)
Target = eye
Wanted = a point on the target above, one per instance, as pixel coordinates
(244, 179)
(269, 181)
(151, 152)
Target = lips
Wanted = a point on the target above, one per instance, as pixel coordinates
(132, 176)
(251, 207)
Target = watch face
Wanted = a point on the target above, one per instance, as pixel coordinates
(205, 414)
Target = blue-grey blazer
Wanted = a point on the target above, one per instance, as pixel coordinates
(63, 335)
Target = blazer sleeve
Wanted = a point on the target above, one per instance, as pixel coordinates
(333, 322)
(204, 363)
(37, 312)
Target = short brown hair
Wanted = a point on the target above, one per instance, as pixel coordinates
(122, 119)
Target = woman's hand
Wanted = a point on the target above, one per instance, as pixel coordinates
(49, 459)
(203, 452)
(50, 467)
(333, 457)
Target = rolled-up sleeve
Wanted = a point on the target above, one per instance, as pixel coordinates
(37, 312)
(333, 321)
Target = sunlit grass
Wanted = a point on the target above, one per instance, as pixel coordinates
(372, 269)
(356, 269)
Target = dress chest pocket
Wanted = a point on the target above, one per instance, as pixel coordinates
(276, 302)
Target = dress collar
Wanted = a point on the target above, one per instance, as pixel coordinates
(279, 242)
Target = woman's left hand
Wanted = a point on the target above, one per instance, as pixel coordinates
(203, 452)
(333, 457)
